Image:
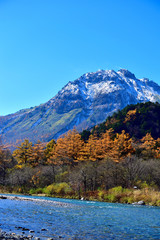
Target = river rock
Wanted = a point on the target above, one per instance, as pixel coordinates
(25, 229)
(43, 229)
(139, 203)
(3, 197)
(18, 227)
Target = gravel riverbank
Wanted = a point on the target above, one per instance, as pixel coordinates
(18, 198)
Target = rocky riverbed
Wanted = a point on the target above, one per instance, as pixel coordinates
(22, 236)
(18, 198)
(25, 233)
(13, 236)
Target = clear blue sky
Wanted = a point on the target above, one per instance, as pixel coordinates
(46, 43)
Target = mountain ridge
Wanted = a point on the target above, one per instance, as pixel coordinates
(83, 103)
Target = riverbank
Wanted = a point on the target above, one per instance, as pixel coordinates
(23, 198)
(145, 196)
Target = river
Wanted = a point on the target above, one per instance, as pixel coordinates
(75, 219)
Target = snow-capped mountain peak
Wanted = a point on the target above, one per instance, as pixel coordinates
(82, 103)
(91, 85)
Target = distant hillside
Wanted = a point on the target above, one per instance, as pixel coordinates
(83, 103)
(137, 120)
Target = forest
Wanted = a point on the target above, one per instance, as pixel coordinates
(137, 120)
(99, 165)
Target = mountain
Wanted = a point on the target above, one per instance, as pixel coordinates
(137, 120)
(83, 103)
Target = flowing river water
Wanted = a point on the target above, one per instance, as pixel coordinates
(75, 219)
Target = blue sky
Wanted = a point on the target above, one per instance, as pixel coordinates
(46, 43)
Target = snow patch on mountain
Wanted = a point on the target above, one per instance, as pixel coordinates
(92, 85)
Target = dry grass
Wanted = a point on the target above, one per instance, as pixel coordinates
(118, 194)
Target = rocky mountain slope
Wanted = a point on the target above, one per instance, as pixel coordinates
(83, 103)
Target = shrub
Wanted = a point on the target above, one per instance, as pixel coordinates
(124, 199)
(111, 198)
(158, 203)
(101, 194)
(119, 194)
(32, 191)
(58, 188)
(62, 188)
(116, 190)
(39, 190)
(131, 199)
(49, 190)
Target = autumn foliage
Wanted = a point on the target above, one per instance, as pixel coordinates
(71, 149)
(104, 160)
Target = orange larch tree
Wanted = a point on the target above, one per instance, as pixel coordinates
(148, 146)
(38, 156)
(88, 150)
(97, 148)
(107, 143)
(68, 147)
(122, 147)
(49, 149)
(23, 154)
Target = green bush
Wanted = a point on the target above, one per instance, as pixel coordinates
(142, 185)
(158, 203)
(58, 188)
(116, 190)
(32, 191)
(35, 191)
(49, 190)
(101, 194)
(115, 194)
(124, 199)
(39, 190)
(62, 188)
(131, 200)
(111, 198)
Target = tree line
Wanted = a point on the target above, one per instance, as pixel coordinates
(83, 166)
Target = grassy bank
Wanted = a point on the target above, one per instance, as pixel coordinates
(149, 195)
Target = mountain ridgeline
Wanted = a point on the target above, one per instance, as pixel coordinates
(83, 103)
